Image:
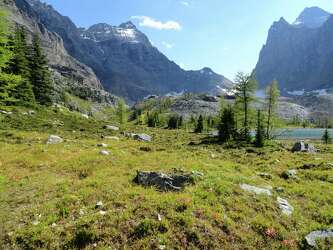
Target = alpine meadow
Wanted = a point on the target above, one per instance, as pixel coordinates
(112, 138)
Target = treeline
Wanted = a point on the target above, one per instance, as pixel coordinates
(236, 121)
(24, 74)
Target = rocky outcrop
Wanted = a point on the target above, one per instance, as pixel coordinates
(124, 59)
(299, 55)
(69, 74)
(164, 182)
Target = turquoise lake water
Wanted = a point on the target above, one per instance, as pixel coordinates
(301, 133)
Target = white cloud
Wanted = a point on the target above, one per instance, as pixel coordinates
(167, 45)
(185, 3)
(150, 22)
(226, 49)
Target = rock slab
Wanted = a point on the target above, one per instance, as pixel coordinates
(164, 182)
(256, 190)
(285, 207)
(316, 235)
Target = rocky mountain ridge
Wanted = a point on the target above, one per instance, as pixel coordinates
(69, 74)
(124, 59)
(299, 55)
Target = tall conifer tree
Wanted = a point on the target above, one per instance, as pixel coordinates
(40, 74)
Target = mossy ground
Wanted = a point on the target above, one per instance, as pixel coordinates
(48, 193)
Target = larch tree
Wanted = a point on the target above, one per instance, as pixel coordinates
(245, 89)
(272, 97)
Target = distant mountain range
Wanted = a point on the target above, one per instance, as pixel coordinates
(123, 58)
(299, 55)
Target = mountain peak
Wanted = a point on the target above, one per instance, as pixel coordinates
(127, 25)
(312, 17)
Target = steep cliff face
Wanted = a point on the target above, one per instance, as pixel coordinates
(68, 73)
(299, 55)
(124, 59)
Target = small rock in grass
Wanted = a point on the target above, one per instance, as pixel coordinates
(85, 116)
(102, 145)
(197, 174)
(159, 217)
(99, 204)
(213, 156)
(6, 112)
(311, 238)
(256, 190)
(53, 224)
(289, 174)
(54, 139)
(35, 222)
(104, 152)
(111, 127)
(162, 247)
(142, 137)
(102, 212)
(285, 207)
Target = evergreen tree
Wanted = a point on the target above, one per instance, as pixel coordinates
(153, 119)
(175, 122)
(19, 65)
(8, 82)
(5, 51)
(227, 126)
(272, 97)
(122, 111)
(245, 94)
(200, 125)
(40, 74)
(260, 132)
(326, 137)
(8, 85)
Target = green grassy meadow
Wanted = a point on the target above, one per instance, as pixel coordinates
(48, 193)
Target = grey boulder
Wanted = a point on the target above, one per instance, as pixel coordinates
(164, 182)
(54, 139)
(311, 238)
(142, 137)
(301, 146)
(289, 174)
(285, 207)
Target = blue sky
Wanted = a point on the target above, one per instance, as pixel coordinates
(225, 35)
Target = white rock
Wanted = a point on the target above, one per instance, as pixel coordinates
(256, 190)
(110, 127)
(35, 222)
(85, 116)
(99, 204)
(102, 212)
(159, 217)
(285, 207)
(54, 139)
(104, 152)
